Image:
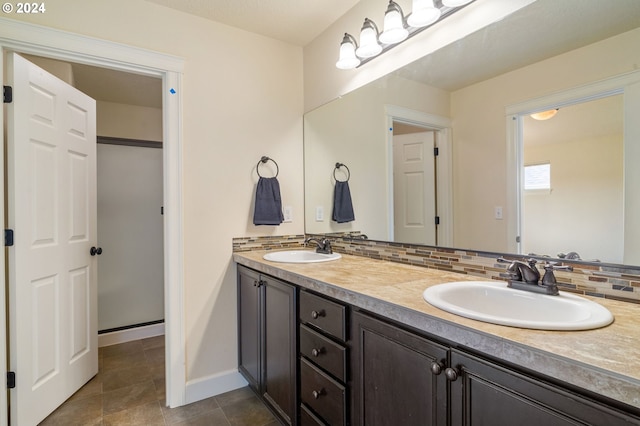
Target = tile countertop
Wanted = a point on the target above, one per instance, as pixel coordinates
(604, 361)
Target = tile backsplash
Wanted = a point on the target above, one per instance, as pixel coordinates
(589, 279)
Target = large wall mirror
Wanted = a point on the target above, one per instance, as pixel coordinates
(472, 102)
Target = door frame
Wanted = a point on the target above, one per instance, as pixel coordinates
(444, 185)
(61, 45)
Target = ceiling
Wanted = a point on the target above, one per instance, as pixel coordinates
(541, 30)
(293, 21)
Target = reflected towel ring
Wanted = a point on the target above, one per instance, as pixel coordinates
(338, 165)
(264, 159)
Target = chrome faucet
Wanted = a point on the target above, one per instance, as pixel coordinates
(323, 245)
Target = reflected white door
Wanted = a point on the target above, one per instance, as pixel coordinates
(414, 192)
(51, 162)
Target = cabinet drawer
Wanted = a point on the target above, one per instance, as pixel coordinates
(307, 418)
(324, 314)
(323, 394)
(324, 352)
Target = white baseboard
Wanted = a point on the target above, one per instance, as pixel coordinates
(213, 385)
(128, 335)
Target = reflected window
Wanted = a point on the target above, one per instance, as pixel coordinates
(537, 177)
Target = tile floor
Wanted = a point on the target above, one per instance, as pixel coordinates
(129, 390)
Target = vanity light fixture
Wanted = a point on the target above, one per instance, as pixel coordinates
(348, 58)
(396, 29)
(544, 115)
(369, 45)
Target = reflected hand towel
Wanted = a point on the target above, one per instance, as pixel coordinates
(342, 205)
(268, 208)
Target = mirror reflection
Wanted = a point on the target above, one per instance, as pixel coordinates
(469, 187)
(573, 186)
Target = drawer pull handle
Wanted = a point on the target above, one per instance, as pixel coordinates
(317, 352)
(317, 394)
(317, 314)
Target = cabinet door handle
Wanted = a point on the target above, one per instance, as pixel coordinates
(317, 352)
(255, 283)
(451, 374)
(317, 314)
(436, 368)
(317, 394)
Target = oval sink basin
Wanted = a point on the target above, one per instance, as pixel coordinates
(496, 303)
(300, 256)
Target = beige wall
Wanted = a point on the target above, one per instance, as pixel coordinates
(242, 98)
(479, 132)
(129, 121)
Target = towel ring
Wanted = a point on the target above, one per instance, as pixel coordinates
(264, 159)
(338, 165)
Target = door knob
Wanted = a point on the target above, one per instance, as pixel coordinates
(95, 250)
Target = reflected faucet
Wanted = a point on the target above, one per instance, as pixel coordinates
(323, 245)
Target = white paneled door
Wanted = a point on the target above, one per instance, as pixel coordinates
(414, 189)
(51, 162)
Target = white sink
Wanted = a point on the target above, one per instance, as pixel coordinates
(300, 256)
(494, 302)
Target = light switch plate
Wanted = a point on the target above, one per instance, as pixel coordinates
(497, 212)
(319, 214)
(287, 211)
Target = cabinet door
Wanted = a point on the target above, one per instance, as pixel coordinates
(280, 347)
(487, 394)
(393, 382)
(249, 333)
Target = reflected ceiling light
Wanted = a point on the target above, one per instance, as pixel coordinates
(394, 25)
(369, 46)
(348, 58)
(423, 13)
(455, 3)
(544, 115)
(396, 29)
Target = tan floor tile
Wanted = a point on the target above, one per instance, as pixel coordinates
(155, 355)
(122, 348)
(85, 411)
(191, 411)
(116, 379)
(153, 342)
(143, 415)
(234, 396)
(124, 360)
(214, 418)
(129, 397)
(249, 412)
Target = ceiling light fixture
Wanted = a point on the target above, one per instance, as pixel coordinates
(395, 30)
(544, 115)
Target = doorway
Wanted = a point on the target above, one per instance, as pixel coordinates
(30, 39)
(399, 118)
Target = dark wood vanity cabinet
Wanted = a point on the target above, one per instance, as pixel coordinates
(397, 376)
(359, 369)
(323, 361)
(268, 340)
(484, 393)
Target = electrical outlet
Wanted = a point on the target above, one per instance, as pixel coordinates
(288, 214)
(497, 212)
(319, 214)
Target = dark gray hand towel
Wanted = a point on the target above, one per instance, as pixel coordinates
(268, 208)
(342, 205)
